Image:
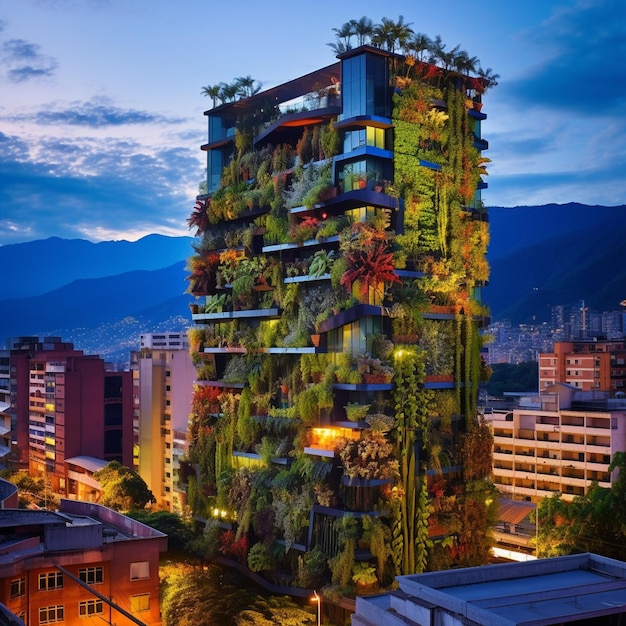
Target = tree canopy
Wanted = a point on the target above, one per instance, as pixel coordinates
(122, 488)
(212, 595)
(595, 522)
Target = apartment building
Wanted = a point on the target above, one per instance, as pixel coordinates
(64, 403)
(81, 564)
(559, 441)
(164, 376)
(591, 364)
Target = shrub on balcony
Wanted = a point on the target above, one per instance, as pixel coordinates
(369, 458)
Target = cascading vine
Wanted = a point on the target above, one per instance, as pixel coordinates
(412, 402)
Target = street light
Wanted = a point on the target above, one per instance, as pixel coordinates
(318, 600)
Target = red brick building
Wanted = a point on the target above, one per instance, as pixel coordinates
(64, 404)
(589, 365)
(82, 561)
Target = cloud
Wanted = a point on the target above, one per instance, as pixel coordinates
(583, 50)
(23, 61)
(95, 113)
(91, 188)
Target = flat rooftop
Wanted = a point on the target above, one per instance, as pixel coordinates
(542, 592)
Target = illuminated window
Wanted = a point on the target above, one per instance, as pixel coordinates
(51, 580)
(140, 602)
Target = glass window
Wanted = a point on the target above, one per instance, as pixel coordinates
(18, 588)
(140, 569)
(86, 608)
(91, 575)
(140, 602)
(51, 614)
(50, 580)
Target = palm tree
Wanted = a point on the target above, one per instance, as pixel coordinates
(338, 47)
(442, 58)
(228, 93)
(402, 33)
(419, 44)
(363, 29)
(389, 34)
(213, 92)
(489, 79)
(344, 34)
(465, 64)
(247, 86)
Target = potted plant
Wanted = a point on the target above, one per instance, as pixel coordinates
(373, 370)
(355, 412)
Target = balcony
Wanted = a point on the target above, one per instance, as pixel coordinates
(272, 313)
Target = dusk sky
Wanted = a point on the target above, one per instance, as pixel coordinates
(101, 112)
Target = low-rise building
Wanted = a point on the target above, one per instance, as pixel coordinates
(583, 589)
(558, 441)
(81, 561)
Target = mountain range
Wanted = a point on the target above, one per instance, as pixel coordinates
(103, 295)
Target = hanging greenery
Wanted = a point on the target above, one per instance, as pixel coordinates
(412, 407)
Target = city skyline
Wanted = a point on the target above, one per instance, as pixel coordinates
(102, 112)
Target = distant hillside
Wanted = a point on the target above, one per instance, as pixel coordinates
(513, 229)
(88, 303)
(102, 296)
(38, 267)
(582, 259)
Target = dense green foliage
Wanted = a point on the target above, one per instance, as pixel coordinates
(203, 596)
(508, 377)
(122, 488)
(595, 522)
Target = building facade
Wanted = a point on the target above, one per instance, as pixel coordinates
(64, 403)
(595, 364)
(83, 561)
(338, 275)
(559, 441)
(164, 376)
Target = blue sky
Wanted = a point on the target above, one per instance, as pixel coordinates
(101, 112)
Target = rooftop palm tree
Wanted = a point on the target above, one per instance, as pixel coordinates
(391, 35)
(363, 29)
(213, 92)
(490, 79)
(247, 86)
(344, 34)
(465, 64)
(228, 93)
(419, 44)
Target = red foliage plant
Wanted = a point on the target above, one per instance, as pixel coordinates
(369, 260)
(231, 546)
(199, 216)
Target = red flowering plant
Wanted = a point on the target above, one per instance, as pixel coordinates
(199, 217)
(304, 230)
(205, 400)
(369, 259)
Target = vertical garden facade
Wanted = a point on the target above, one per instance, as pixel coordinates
(337, 276)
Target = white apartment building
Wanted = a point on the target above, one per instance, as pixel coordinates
(558, 441)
